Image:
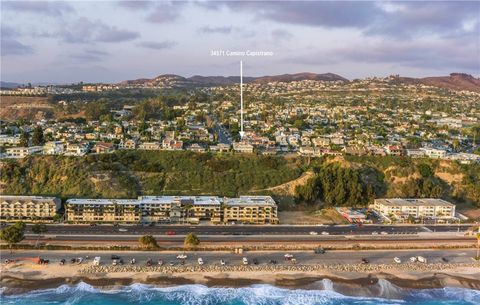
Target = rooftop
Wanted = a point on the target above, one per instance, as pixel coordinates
(101, 201)
(195, 200)
(27, 198)
(414, 202)
(251, 200)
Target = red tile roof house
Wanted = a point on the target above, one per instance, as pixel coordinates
(104, 148)
(394, 150)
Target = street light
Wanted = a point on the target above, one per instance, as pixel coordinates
(478, 243)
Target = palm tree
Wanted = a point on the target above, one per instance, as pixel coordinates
(191, 240)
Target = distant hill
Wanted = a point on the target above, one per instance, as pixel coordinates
(299, 77)
(9, 85)
(161, 79)
(456, 81)
(198, 80)
(219, 80)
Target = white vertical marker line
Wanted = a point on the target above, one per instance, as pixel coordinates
(241, 100)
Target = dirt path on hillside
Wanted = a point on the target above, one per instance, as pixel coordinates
(288, 188)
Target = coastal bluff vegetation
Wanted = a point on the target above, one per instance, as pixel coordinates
(294, 181)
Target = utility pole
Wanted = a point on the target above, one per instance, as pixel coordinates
(478, 243)
(242, 133)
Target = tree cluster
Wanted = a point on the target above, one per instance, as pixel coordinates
(335, 185)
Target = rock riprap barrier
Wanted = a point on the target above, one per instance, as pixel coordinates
(411, 267)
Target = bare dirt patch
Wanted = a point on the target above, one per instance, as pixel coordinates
(288, 188)
(25, 107)
(450, 178)
(323, 216)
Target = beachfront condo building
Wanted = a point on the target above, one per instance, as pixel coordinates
(203, 208)
(28, 208)
(403, 208)
(250, 209)
(102, 210)
(191, 209)
(178, 209)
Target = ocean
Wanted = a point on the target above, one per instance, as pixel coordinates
(84, 294)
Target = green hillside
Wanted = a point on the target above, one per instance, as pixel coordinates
(331, 182)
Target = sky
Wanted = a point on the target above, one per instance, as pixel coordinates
(111, 41)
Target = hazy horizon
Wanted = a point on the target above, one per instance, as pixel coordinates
(188, 76)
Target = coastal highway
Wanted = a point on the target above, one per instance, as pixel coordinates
(281, 230)
(257, 240)
(263, 257)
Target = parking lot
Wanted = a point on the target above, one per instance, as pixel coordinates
(262, 257)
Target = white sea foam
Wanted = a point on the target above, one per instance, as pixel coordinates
(327, 284)
(252, 295)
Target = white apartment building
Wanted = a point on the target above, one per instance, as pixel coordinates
(190, 209)
(250, 209)
(102, 210)
(402, 208)
(9, 140)
(25, 208)
(435, 153)
(243, 147)
(74, 149)
(54, 148)
(22, 152)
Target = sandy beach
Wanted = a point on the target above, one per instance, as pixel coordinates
(354, 279)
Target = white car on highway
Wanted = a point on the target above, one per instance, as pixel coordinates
(200, 261)
(325, 233)
(245, 261)
(421, 259)
(413, 259)
(313, 233)
(182, 256)
(122, 230)
(397, 260)
(222, 262)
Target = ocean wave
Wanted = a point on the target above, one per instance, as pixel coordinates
(85, 294)
(468, 296)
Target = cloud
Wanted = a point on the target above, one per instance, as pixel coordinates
(438, 55)
(408, 19)
(50, 8)
(165, 12)
(136, 5)
(167, 44)
(10, 45)
(328, 14)
(89, 55)
(280, 35)
(85, 31)
(227, 30)
(216, 30)
(393, 19)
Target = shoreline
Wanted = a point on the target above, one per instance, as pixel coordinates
(354, 280)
